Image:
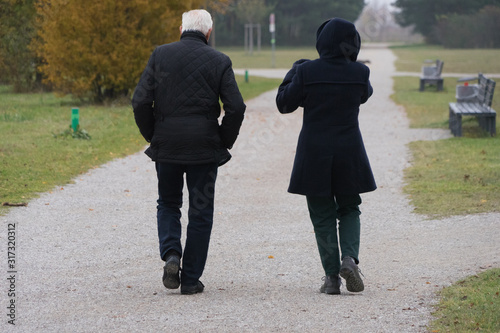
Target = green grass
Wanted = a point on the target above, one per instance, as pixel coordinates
(33, 161)
(284, 57)
(455, 176)
(256, 85)
(429, 109)
(470, 305)
(448, 177)
(411, 58)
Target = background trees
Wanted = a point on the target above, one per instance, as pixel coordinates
(17, 60)
(376, 23)
(98, 48)
(439, 20)
(93, 49)
(296, 20)
(479, 30)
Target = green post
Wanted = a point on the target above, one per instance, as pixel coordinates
(246, 75)
(75, 118)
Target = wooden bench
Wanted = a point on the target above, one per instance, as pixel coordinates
(432, 75)
(478, 106)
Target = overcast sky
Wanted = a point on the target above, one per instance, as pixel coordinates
(380, 1)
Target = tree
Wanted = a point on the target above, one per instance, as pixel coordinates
(424, 14)
(252, 11)
(377, 24)
(17, 30)
(296, 20)
(98, 48)
(470, 31)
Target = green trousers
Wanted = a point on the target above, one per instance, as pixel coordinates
(324, 213)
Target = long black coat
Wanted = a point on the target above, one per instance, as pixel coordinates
(176, 103)
(331, 157)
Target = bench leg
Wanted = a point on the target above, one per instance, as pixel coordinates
(422, 85)
(490, 125)
(450, 120)
(455, 123)
(440, 85)
(458, 126)
(493, 122)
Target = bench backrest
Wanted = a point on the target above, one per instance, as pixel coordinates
(439, 66)
(486, 90)
(433, 71)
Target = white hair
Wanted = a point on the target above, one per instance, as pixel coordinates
(197, 20)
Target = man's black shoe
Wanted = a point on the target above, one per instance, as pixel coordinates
(171, 279)
(350, 272)
(331, 285)
(191, 290)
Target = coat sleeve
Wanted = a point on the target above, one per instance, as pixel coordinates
(369, 89)
(290, 92)
(234, 108)
(143, 101)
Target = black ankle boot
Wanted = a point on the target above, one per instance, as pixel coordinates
(331, 285)
(171, 279)
(351, 273)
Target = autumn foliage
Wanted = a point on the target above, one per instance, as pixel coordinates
(98, 48)
(17, 29)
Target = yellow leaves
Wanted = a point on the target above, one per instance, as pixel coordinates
(219, 6)
(103, 45)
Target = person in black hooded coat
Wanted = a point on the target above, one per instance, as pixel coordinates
(331, 167)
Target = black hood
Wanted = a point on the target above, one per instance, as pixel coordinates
(338, 38)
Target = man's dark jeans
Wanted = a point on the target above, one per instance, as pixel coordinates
(200, 181)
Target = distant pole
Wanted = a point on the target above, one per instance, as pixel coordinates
(259, 33)
(246, 38)
(272, 30)
(75, 119)
(250, 36)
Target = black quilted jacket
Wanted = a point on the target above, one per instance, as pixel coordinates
(176, 103)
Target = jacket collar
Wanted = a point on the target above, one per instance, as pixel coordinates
(194, 35)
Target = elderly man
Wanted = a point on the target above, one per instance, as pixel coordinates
(176, 107)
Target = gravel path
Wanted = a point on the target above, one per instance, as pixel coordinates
(87, 257)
